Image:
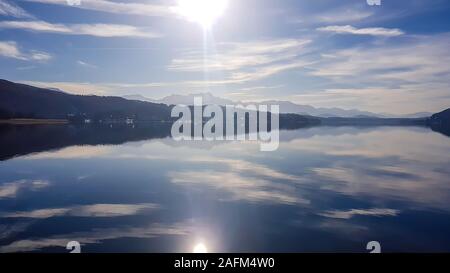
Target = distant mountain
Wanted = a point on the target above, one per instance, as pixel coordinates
(208, 99)
(24, 101)
(413, 115)
(137, 97)
(290, 107)
(285, 106)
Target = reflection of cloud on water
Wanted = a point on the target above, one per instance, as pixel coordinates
(10, 190)
(96, 236)
(243, 180)
(347, 214)
(416, 183)
(73, 152)
(403, 143)
(96, 210)
(8, 230)
(236, 165)
(239, 187)
(388, 164)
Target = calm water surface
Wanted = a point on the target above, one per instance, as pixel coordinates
(326, 189)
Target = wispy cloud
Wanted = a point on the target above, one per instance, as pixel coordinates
(10, 49)
(390, 61)
(246, 61)
(337, 13)
(40, 56)
(28, 67)
(236, 56)
(261, 87)
(103, 89)
(375, 31)
(389, 77)
(342, 15)
(9, 9)
(98, 30)
(144, 9)
(85, 64)
(78, 88)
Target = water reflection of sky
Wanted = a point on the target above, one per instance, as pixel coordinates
(325, 189)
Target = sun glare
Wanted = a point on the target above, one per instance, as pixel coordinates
(200, 248)
(204, 12)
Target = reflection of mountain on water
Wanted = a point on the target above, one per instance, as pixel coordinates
(440, 122)
(445, 130)
(23, 140)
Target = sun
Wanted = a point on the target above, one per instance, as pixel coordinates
(200, 248)
(204, 12)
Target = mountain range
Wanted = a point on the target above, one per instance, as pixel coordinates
(285, 106)
(24, 101)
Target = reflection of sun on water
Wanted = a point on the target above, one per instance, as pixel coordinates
(204, 12)
(200, 248)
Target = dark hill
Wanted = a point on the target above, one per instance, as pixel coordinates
(440, 122)
(24, 101)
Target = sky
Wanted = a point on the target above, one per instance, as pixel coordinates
(393, 58)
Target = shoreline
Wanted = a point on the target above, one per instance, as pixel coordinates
(28, 121)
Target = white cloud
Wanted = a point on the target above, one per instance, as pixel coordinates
(103, 89)
(410, 75)
(85, 64)
(246, 61)
(375, 31)
(335, 14)
(236, 56)
(10, 50)
(78, 88)
(417, 59)
(342, 15)
(115, 7)
(347, 214)
(9, 9)
(40, 56)
(98, 30)
(404, 99)
(261, 87)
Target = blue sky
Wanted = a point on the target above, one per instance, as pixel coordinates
(391, 58)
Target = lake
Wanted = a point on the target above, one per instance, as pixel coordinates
(125, 189)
